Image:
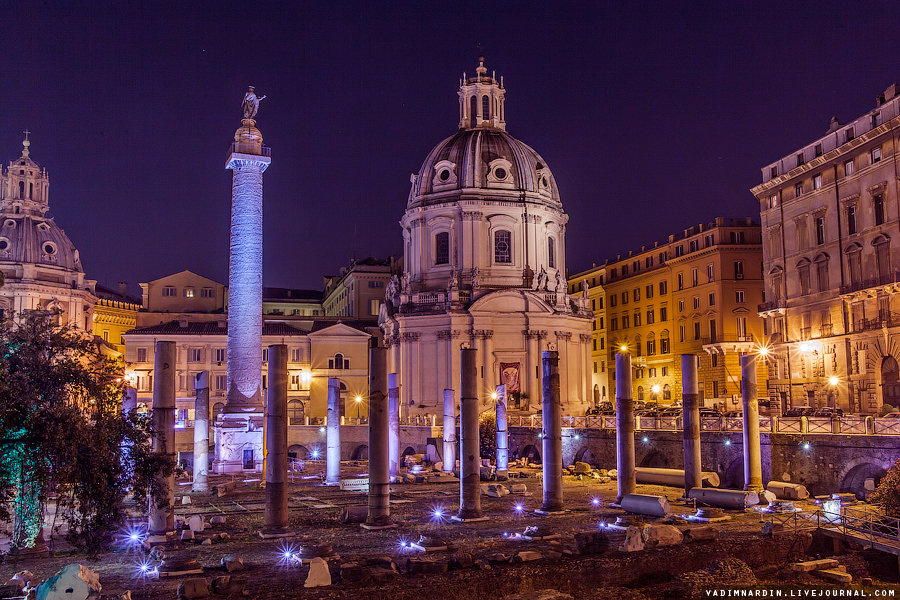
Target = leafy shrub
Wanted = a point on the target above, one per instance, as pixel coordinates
(887, 494)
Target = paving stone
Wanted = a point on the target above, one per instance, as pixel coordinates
(527, 556)
(319, 575)
(547, 594)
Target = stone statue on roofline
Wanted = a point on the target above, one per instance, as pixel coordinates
(251, 103)
(392, 294)
(584, 287)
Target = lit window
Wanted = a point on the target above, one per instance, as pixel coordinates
(817, 181)
(849, 167)
(188, 292)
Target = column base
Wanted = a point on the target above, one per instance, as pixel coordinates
(378, 526)
(158, 539)
(459, 519)
(276, 533)
(550, 512)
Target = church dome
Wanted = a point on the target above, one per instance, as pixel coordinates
(482, 156)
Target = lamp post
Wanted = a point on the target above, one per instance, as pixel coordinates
(358, 401)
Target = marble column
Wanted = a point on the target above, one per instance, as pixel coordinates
(333, 433)
(394, 420)
(162, 504)
(552, 433)
(201, 433)
(379, 515)
(502, 435)
(752, 451)
(624, 427)
(470, 458)
(449, 431)
(690, 393)
(276, 511)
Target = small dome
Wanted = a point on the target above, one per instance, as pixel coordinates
(485, 159)
(36, 240)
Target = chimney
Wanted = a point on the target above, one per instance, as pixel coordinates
(891, 92)
(123, 288)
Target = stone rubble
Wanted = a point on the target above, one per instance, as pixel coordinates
(319, 575)
(661, 535)
(78, 578)
(232, 563)
(633, 540)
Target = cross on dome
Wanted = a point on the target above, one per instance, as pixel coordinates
(25, 143)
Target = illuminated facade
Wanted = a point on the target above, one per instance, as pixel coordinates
(115, 313)
(600, 390)
(696, 293)
(484, 264)
(830, 223)
(358, 291)
(41, 266)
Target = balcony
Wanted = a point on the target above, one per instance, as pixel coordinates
(729, 343)
(887, 279)
(245, 148)
(884, 319)
(776, 306)
(827, 330)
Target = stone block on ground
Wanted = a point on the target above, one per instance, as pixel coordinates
(662, 535)
(319, 575)
(195, 587)
(185, 499)
(187, 535)
(518, 488)
(633, 540)
(583, 468)
(232, 563)
(354, 514)
(421, 564)
(218, 520)
(462, 560)
(527, 556)
(834, 575)
(196, 523)
(206, 542)
(26, 577)
(495, 490)
(701, 534)
(78, 578)
(613, 473)
(591, 542)
(815, 565)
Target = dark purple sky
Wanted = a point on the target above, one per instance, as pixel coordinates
(652, 116)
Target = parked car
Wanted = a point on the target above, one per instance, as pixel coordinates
(708, 411)
(735, 414)
(827, 411)
(800, 411)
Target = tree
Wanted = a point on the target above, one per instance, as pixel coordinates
(487, 433)
(63, 434)
(887, 494)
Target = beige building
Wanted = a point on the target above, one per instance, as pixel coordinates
(696, 293)
(600, 390)
(830, 221)
(181, 293)
(358, 291)
(292, 302)
(115, 313)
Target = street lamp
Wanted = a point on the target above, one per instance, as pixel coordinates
(358, 401)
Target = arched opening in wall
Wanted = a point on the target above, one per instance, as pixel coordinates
(890, 381)
(409, 450)
(855, 480)
(473, 116)
(532, 454)
(361, 452)
(596, 394)
(217, 408)
(297, 452)
(654, 460)
(485, 108)
(734, 474)
(295, 412)
(343, 398)
(585, 455)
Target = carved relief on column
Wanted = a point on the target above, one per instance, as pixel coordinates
(410, 336)
(585, 337)
(563, 335)
(447, 334)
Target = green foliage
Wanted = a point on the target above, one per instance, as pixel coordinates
(487, 433)
(887, 494)
(63, 434)
(885, 409)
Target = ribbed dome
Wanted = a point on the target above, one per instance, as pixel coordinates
(483, 158)
(36, 240)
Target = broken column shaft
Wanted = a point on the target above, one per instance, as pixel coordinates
(162, 505)
(624, 427)
(394, 420)
(201, 433)
(276, 516)
(470, 457)
(552, 433)
(449, 432)
(750, 398)
(502, 438)
(379, 426)
(690, 394)
(333, 435)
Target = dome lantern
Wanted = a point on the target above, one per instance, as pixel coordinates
(481, 100)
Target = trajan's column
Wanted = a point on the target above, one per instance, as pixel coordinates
(239, 427)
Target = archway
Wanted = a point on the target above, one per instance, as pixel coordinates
(596, 394)
(654, 460)
(532, 454)
(585, 455)
(409, 450)
(855, 480)
(361, 452)
(890, 381)
(734, 474)
(298, 452)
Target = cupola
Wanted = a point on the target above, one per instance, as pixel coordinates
(481, 100)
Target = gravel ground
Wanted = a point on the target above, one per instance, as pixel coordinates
(651, 573)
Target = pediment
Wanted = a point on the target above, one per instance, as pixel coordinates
(511, 301)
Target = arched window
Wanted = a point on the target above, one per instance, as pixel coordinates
(21, 190)
(667, 392)
(596, 394)
(777, 284)
(883, 257)
(338, 362)
(803, 271)
(502, 246)
(551, 253)
(854, 262)
(637, 345)
(664, 342)
(472, 115)
(442, 248)
(640, 393)
(485, 108)
(822, 272)
(295, 412)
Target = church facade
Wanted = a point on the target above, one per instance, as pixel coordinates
(484, 264)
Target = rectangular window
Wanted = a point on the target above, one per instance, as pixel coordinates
(681, 333)
(851, 220)
(207, 292)
(603, 345)
(648, 262)
(636, 266)
(374, 307)
(624, 297)
(220, 382)
(710, 273)
(712, 331)
(681, 306)
(195, 355)
(680, 281)
(696, 302)
(613, 274)
(650, 319)
(637, 319)
(612, 300)
(188, 292)
(295, 382)
(595, 366)
(595, 345)
(710, 240)
(601, 302)
(694, 245)
(502, 247)
(142, 355)
(741, 328)
(662, 257)
(737, 237)
(878, 206)
(817, 181)
(220, 354)
(694, 277)
(697, 330)
(712, 299)
(295, 354)
(603, 366)
(613, 324)
(876, 155)
(649, 291)
(665, 371)
(601, 322)
(818, 149)
(265, 357)
(773, 172)
(849, 167)
(168, 292)
(850, 134)
(800, 159)
(679, 251)
(637, 294)
(376, 284)
(876, 120)
(773, 201)
(738, 269)
(624, 270)
(625, 322)
(798, 189)
(820, 230)
(663, 313)
(442, 249)
(739, 296)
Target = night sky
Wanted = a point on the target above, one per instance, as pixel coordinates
(652, 116)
